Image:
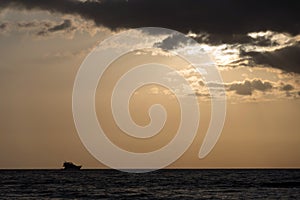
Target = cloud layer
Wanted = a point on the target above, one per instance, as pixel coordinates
(212, 16)
(239, 34)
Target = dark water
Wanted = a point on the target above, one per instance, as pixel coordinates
(162, 184)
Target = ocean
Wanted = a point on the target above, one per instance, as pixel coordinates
(161, 184)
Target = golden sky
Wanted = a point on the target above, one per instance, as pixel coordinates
(42, 52)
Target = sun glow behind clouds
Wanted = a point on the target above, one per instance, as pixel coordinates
(37, 83)
(240, 70)
(232, 58)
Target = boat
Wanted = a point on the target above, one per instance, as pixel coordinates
(71, 166)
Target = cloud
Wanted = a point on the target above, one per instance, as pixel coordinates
(287, 58)
(260, 85)
(211, 16)
(215, 22)
(65, 26)
(220, 38)
(247, 87)
(34, 24)
(44, 28)
(269, 49)
(287, 87)
(263, 90)
(4, 27)
(251, 90)
(241, 88)
(174, 41)
(260, 39)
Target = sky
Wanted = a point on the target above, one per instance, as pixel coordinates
(255, 45)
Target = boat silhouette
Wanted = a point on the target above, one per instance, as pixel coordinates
(71, 166)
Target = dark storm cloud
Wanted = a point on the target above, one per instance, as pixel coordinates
(287, 58)
(211, 16)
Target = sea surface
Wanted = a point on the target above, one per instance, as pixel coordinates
(161, 184)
